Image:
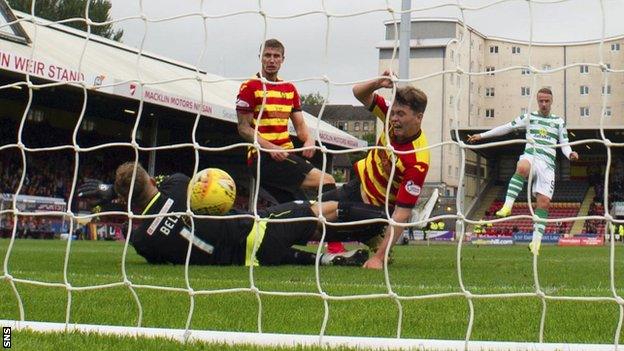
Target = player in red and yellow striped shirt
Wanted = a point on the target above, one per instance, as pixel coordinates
(412, 161)
(283, 174)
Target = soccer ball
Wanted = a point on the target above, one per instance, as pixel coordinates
(212, 192)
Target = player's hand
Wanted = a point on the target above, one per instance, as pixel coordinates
(474, 138)
(574, 156)
(278, 156)
(95, 189)
(385, 82)
(310, 152)
(373, 263)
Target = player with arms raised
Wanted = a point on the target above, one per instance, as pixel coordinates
(547, 130)
(373, 171)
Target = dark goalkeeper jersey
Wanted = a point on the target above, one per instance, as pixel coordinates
(165, 239)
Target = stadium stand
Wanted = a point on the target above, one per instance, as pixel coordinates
(557, 210)
(566, 203)
(565, 191)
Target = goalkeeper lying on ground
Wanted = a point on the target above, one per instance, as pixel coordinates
(229, 241)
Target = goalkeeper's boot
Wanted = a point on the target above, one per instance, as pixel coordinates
(534, 246)
(373, 244)
(503, 212)
(349, 258)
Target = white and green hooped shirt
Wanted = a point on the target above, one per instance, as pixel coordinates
(547, 131)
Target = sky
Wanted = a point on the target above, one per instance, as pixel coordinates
(348, 53)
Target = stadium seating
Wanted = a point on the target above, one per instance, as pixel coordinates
(557, 210)
(566, 202)
(595, 226)
(565, 191)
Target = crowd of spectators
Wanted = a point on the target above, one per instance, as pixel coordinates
(27, 227)
(616, 182)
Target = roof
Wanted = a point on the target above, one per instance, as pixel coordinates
(340, 112)
(114, 68)
(417, 43)
(459, 22)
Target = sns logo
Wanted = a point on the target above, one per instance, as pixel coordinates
(413, 189)
(6, 337)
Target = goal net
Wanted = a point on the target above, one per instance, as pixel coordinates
(79, 105)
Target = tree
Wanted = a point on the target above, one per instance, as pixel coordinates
(312, 99)
(369, 138)
(57, 10)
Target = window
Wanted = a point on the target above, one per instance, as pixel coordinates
(35, 115)
(13, 32)
(546, 67)
(343, 125)
(584, 89)
(523, 111)
(515, 49)
(607, 90)
(525, 91)
(489, 113)
(451, 100)
(584, 111)
(607, 112)
(489, 91)
(356, 127)
(494, 49)
(457, 171)
(526, 71)
(365, 127)
(490, 69)
(87, 125)
(449, 170)
(584, 69)
(615, 47)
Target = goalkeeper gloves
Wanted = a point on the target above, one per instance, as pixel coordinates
(93, 188)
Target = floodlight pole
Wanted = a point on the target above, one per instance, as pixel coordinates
(404, 40)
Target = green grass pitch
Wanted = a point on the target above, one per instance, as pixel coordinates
(417, 270)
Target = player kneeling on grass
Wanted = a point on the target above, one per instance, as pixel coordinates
(230, 241)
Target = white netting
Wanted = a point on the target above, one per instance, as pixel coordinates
(461, 69)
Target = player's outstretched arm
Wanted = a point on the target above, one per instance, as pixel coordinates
(400, 215)
(497, 131)
(474, 138)
(364, 91)
(98, 191)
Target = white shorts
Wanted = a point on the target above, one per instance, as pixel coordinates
(543, 176)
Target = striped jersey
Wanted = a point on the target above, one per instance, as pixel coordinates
(410, 172)
(281, 101)
(547, 131)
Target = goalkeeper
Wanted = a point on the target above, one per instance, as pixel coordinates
(546, 130)
(229, 241)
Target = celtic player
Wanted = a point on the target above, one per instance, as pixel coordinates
(546, 130)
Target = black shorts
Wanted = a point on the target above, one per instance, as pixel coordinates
(280, 237)
(286, 176)
(347, 192)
